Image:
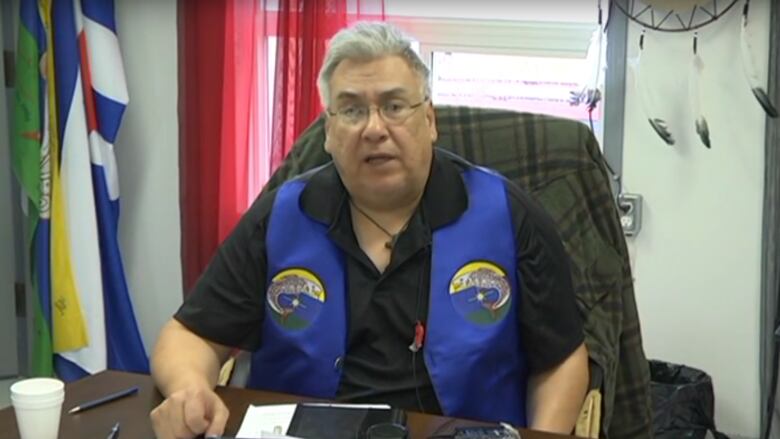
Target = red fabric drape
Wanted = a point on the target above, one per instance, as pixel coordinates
(223, 100)
(239, 98)
(201, 61)
(303, 29)
(218, 104)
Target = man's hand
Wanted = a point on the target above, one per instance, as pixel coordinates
(190, 412)
(185, 368)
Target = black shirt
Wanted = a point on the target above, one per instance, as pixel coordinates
(227, 304)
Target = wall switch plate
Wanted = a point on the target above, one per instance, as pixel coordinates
(630, 210)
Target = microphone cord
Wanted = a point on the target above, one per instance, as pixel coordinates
(423, 282)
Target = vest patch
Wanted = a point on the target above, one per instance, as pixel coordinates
(295, 298)
(481, 293)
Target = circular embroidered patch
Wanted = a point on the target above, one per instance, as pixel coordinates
(481, 293)
(295, 298)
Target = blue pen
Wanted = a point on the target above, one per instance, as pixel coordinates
(114, 434)
(103, 400)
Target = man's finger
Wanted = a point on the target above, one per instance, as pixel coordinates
(160, 429)
(176, 420)
(195, 414)
(161, 422)
(219, 417)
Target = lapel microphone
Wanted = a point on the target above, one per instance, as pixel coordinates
(419, 337)
(419, 327)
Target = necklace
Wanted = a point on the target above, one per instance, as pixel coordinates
(393, 236)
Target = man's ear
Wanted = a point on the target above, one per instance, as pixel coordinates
(430, 116)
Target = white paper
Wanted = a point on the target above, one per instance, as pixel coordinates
(266, 421)
(346, 406)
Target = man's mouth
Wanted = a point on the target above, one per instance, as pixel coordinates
(378, 159)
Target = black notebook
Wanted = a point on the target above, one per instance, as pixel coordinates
(340, 421)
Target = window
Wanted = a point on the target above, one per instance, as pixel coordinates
(514, 65)
(520, 83)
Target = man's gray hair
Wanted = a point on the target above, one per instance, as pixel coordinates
(369, 41)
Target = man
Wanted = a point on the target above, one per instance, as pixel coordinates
(398, 273)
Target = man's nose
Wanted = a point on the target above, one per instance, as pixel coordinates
(376, 127)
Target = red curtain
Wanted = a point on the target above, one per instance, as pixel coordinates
(219, 47)
(223, 102)
(201, 74)
(239, 109)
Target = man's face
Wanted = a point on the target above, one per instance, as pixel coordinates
(380, 157)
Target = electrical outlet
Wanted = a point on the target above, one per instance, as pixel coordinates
(630, 209)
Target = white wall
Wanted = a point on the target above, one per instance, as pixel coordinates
(698, 257)
(148, 159)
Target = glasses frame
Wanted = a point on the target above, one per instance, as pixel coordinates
(381, 114)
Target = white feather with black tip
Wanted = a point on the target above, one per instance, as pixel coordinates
(646, 101)
(694, 88)
(589, 92)
(750, 67)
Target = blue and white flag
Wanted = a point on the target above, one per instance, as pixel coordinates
(84, 95)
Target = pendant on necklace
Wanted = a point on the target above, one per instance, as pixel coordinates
(391, 243)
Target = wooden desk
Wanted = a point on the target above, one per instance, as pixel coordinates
(133, 411)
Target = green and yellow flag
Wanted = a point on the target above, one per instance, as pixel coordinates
(31, 164)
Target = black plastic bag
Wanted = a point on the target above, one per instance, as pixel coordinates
(683, 402)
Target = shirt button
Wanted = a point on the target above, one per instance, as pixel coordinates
(337, 365)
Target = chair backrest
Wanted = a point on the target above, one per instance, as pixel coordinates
(558, 161)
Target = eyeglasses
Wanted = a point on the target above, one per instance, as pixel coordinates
(394, 112)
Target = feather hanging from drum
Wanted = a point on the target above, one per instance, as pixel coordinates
(750, 67)
(694, 89)
(646, 101)
(589, 92)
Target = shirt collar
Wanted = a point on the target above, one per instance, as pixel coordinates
(444, 199)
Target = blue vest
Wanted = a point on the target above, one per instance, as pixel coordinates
(473, 351)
